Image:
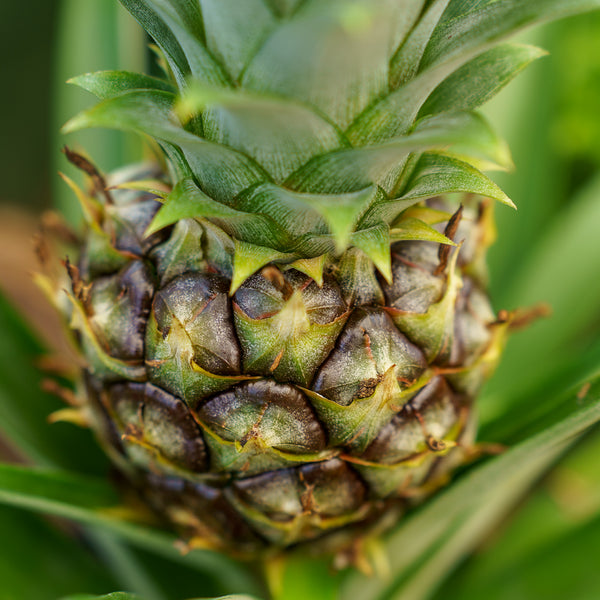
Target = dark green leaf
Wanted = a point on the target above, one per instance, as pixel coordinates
(38, 561)
(187, 201)
(176, 25)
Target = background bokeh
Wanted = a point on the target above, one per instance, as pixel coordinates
(548, 251)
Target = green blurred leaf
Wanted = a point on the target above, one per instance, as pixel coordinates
(559, 524)
(234, 30)
(126, 596)
(405, 63)
(105, 37)
(24, 407)
(176, 26)
(113, 596)
(93, 502)
(562, 270)
(302, 578)
(38, 561)
(431, 542)
(294, 60)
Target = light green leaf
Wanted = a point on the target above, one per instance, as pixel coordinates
(332, 55)
(436, 174)
(414, 229)
(108, 84)
(405, 63)
(481, 78)
(234, 30)
(375, 243)
(427, 545)
(279, 134)
(457, 8)
(407, 14)
(249, 258)
(299, 578)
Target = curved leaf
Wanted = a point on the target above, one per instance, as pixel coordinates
(108, 84)
(333, 56)
(221, 171)
(234, 30)
(278, 133)
(405, 63)
(481, 78)
(349, 170)
(454, 43)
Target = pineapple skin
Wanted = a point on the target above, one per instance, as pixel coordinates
(289, 411)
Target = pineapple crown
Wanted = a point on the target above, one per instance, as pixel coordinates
(303, 128)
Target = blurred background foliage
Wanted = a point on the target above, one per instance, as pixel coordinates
(548, 251)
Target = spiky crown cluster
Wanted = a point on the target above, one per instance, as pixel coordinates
(304, 127)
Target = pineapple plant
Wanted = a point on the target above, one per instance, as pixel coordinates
(289, 347)
(283, 321)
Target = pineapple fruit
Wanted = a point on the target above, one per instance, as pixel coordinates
(284, 322)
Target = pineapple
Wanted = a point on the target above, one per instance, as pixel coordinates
(284, 322)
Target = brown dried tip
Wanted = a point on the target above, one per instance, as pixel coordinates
(449, 232)
(275, 276)
(81, 290)
(524, 317)
(41, 249)
(65, 394)
(89, 169)
(583, 391)
(53, 224)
